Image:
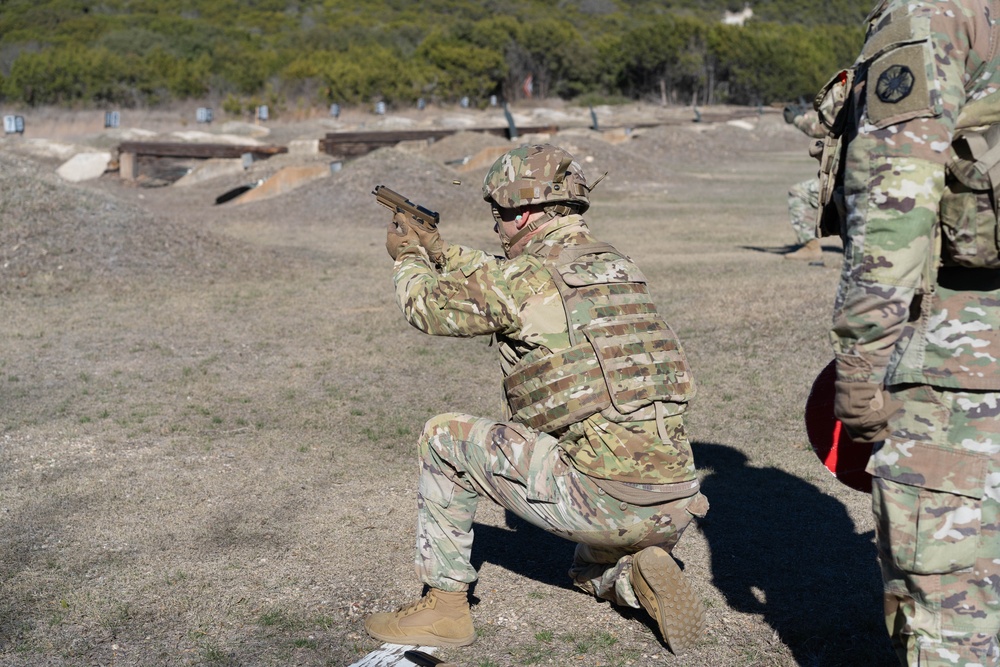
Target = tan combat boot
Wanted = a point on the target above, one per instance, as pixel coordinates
(666, 596)
(809, 252)
(440, 618)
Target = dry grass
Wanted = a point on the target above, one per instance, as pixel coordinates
(219, 470)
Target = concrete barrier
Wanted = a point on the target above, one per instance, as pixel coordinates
(209, 169)
(84, 166)
(284, 181)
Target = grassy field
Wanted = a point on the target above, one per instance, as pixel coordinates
(222, 471)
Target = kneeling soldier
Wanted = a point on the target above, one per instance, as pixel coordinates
(593, 447)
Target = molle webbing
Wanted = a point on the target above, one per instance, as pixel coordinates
(560, 389)
(623, 355)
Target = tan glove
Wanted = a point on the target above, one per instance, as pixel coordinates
(864, 408)
(431, 241)
(400, 237)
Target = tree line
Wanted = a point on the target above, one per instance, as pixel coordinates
(149, 52)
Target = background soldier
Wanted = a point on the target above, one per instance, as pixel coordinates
(593, 451)
(916, 326)
(803, 197)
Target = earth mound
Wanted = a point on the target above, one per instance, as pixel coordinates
(346, 196)
(56, 237)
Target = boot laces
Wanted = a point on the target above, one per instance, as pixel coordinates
(417, 605)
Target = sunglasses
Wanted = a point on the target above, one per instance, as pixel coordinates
(497, 217)
(502, 215)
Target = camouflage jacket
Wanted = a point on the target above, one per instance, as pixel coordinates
(928, 70)
(517, 301)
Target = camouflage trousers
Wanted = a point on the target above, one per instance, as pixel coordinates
(464, 458)
(803, 204)
(936, 500)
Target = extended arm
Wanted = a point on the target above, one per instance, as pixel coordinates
(466, 299)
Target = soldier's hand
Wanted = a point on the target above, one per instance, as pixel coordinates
(429, 240)
(864, 408)
(399, 236)
(432, 243)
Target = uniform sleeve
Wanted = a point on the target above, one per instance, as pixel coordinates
(893, 182)
(809, 124)
(470, 297)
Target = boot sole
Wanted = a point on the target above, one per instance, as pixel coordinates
(667, 597)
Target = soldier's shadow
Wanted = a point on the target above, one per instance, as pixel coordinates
(771, 250)
(828, 247)
(524, 549)
(779, 547)
(783, 549)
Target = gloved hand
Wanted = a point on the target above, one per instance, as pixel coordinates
(398, 237)
(431, 241)
(864, 408)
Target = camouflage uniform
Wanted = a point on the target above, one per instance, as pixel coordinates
(803, 197)
(909, 319)
(803, 200)
(570, 483)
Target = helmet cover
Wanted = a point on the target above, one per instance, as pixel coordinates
(539, 174)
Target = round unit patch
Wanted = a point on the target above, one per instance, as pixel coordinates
(894, 84)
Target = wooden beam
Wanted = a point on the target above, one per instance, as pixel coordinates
(351, 144)
(201, 151)
(127, 166)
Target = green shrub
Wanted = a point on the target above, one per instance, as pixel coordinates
(357, 51)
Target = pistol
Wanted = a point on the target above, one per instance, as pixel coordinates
(397, 203)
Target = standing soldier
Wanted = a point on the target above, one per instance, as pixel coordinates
(593, 446)
(916, 324)
(803, 197)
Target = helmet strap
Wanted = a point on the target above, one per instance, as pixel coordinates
(549, 213)
(524, 231)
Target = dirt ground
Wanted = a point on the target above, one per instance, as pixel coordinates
(208, 412)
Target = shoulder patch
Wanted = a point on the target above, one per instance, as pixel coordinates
(898, 87)
(894, 84)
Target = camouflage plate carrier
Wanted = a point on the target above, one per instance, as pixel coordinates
(624, 360)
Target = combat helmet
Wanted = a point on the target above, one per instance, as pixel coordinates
(540, 174)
